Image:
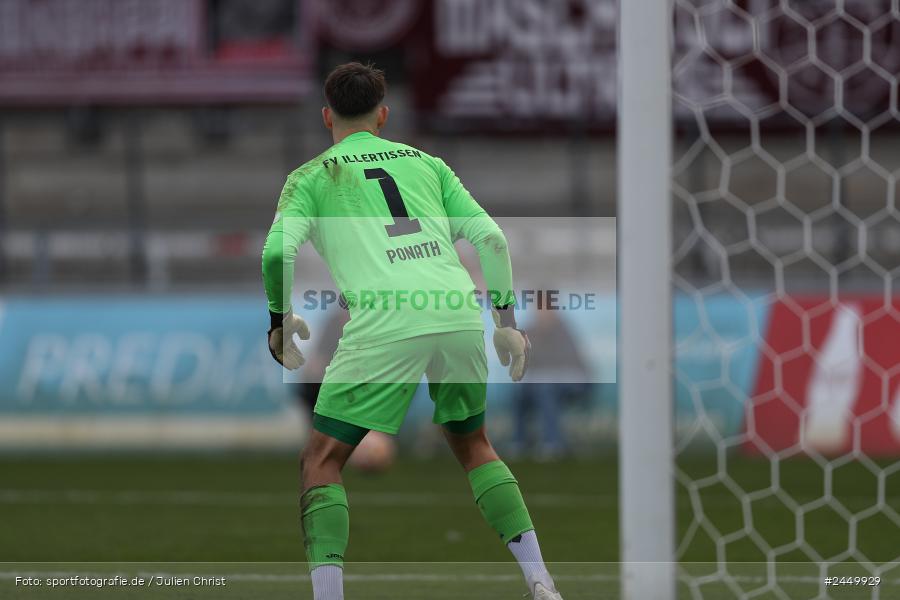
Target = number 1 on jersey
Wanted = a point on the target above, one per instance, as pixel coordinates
(402, 225)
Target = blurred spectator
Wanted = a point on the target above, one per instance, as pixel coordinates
(554, 359)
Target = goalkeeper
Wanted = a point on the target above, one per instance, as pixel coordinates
(384, 217)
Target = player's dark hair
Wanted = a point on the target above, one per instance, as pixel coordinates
(354, 89)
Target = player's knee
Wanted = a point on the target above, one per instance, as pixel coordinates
(323, 455)
(314, 455)
(478, 438)
(472, 449)
(312, 460)
(482, 450)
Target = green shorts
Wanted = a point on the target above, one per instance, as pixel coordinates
(372, 387)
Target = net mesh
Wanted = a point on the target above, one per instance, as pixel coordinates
(786, 259)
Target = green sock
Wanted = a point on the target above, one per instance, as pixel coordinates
(326, 524)
(499, 499)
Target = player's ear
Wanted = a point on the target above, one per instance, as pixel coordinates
(382, 116)
(327, 118)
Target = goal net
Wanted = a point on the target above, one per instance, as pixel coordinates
(786, 270)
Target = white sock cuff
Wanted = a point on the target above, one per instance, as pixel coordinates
(328, 582)
(528, 554)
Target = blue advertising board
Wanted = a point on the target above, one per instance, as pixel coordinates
(169, 370)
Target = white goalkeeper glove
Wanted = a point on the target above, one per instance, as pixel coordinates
(512, 344)
(281, 339)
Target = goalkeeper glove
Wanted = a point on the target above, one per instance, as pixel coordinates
(281, 339)
(512, 344)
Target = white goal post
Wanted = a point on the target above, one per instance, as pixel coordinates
(647, 520)
(759, 307)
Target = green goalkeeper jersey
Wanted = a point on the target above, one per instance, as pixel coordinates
(384, 217)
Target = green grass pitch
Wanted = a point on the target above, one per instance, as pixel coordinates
(415, 531)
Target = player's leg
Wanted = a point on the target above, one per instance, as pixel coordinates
(324, 512)
(457, 377)
(330, 444)
(361, 390)
(500, 501)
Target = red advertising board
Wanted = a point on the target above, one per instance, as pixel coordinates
(828, 378)
(56, 52)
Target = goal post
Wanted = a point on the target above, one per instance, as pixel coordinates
(647, 520)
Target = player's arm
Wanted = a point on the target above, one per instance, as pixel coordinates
(290, 229)
(493, 254)
(468, 220)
